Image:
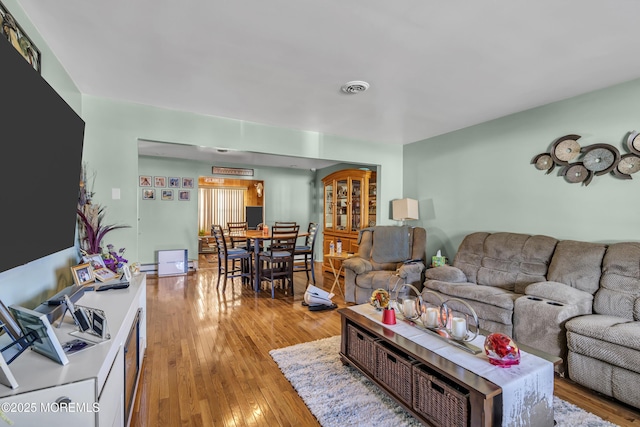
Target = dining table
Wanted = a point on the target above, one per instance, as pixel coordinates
(255, 239)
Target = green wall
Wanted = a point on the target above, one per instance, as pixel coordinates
(481, 179)
(113, 129)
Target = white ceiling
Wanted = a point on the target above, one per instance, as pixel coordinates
(433, 66)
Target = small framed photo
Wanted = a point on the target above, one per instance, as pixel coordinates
(145, 181)
(167, 194)
(184, 195)
(104, 274)
(159, 181)
(187, 182)
(174, 182)
(36, 324)
(82, 274)
(95, 260)
(10, 325)
(148, 194)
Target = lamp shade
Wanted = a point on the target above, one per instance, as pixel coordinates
(404, 209)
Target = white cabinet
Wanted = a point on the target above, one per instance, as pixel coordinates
(92, 386)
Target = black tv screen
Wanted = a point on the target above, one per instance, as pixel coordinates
(40, 164)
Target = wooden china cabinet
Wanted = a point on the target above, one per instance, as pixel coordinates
(349, 206)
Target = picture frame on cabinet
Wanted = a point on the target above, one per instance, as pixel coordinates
(167, 194)
(187, 182)
(9, 323)
(184, 195)
(82, 274)
(34, 323)
(95, 260)
(148, 194)
(145, 181)
(104, 274)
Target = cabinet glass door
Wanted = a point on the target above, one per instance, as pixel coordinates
(328, 205)
(372, 204)
(342, 204)
(356, 204)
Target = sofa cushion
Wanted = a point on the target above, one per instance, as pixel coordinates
(608, 329)
(515, 260)
(562, 293)
(357, 264)
(619, 293)
(577, 264)
(469, 255)
(471, 292)
(396, 245)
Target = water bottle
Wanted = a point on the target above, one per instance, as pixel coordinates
(331, 248)
(339, 246)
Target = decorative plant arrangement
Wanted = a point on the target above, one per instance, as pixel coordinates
(92, 230)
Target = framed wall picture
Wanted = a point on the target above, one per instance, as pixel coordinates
(184, 195)
(82, 274)
(104, 274)
(148, 194)
(159, 181)
(145, 181)
(174, 182)
(187, 182)
(167, 194)
(34, 322)
(95, 260)
(18, 38)
(10, 324)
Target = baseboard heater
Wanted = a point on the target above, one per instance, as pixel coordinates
(152, 268)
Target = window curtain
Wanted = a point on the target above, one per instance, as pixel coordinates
(219, 206)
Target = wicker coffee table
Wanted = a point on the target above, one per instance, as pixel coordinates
(434, 389)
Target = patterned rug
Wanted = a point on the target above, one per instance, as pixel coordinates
(338, 395)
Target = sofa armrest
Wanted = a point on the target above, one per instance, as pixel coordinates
(562, 293)
(411, 272)
(357, 265)
(446, 273)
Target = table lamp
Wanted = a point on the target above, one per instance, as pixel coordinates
(405, 209)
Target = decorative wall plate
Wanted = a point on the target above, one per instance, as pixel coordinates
(565, 149)
(600, 158)
(628, 164)
(633, 142)
(544, 162)
(576, 172)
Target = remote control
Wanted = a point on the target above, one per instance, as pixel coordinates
(112, 286)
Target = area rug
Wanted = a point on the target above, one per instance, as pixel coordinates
(339, 395)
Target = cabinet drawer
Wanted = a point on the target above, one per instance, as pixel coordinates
(360, 348)
(65, 405)
(394, 369)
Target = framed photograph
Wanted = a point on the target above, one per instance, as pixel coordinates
(10, 324)
(184, 195)
(18, 38)
(36, 323)
(104, 274)
(159, 181)
(174, 182)
(187, 182)
(82, 274)
(167, 194)
(145, 181)
(95, 260)
(148, 194)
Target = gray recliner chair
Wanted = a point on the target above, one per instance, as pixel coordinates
(387, 256)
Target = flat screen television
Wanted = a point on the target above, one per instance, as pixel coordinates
(40, 164)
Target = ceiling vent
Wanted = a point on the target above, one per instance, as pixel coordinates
(355, 86)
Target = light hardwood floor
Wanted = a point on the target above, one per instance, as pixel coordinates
(207, 361)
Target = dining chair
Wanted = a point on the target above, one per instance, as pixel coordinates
(239, 258)
(286, 223)
(306, 252)
(276, 262)
(238, 234)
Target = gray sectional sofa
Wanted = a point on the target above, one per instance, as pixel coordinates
(576, 300)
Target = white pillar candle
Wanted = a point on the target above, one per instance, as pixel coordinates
(431, 317)
(459, 327)
(409, 307)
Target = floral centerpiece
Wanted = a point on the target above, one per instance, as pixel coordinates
(92, 228)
